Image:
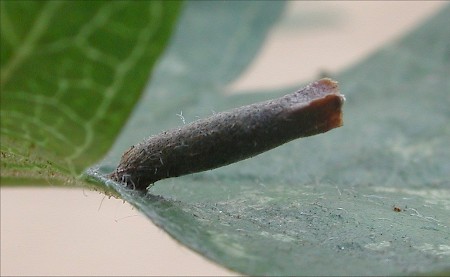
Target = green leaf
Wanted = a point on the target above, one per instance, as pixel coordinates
(71, 72)
(372, 197)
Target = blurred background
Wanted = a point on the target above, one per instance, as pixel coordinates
(57, 231)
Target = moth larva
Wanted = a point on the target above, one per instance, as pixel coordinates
(231, 136)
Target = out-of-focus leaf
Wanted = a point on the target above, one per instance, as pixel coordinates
(71, 72)
(371, 198)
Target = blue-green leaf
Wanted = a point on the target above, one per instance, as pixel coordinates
(370, 198)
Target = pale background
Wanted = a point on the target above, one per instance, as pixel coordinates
(56, 231)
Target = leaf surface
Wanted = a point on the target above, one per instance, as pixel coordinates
(370, 198)
(71, 72)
